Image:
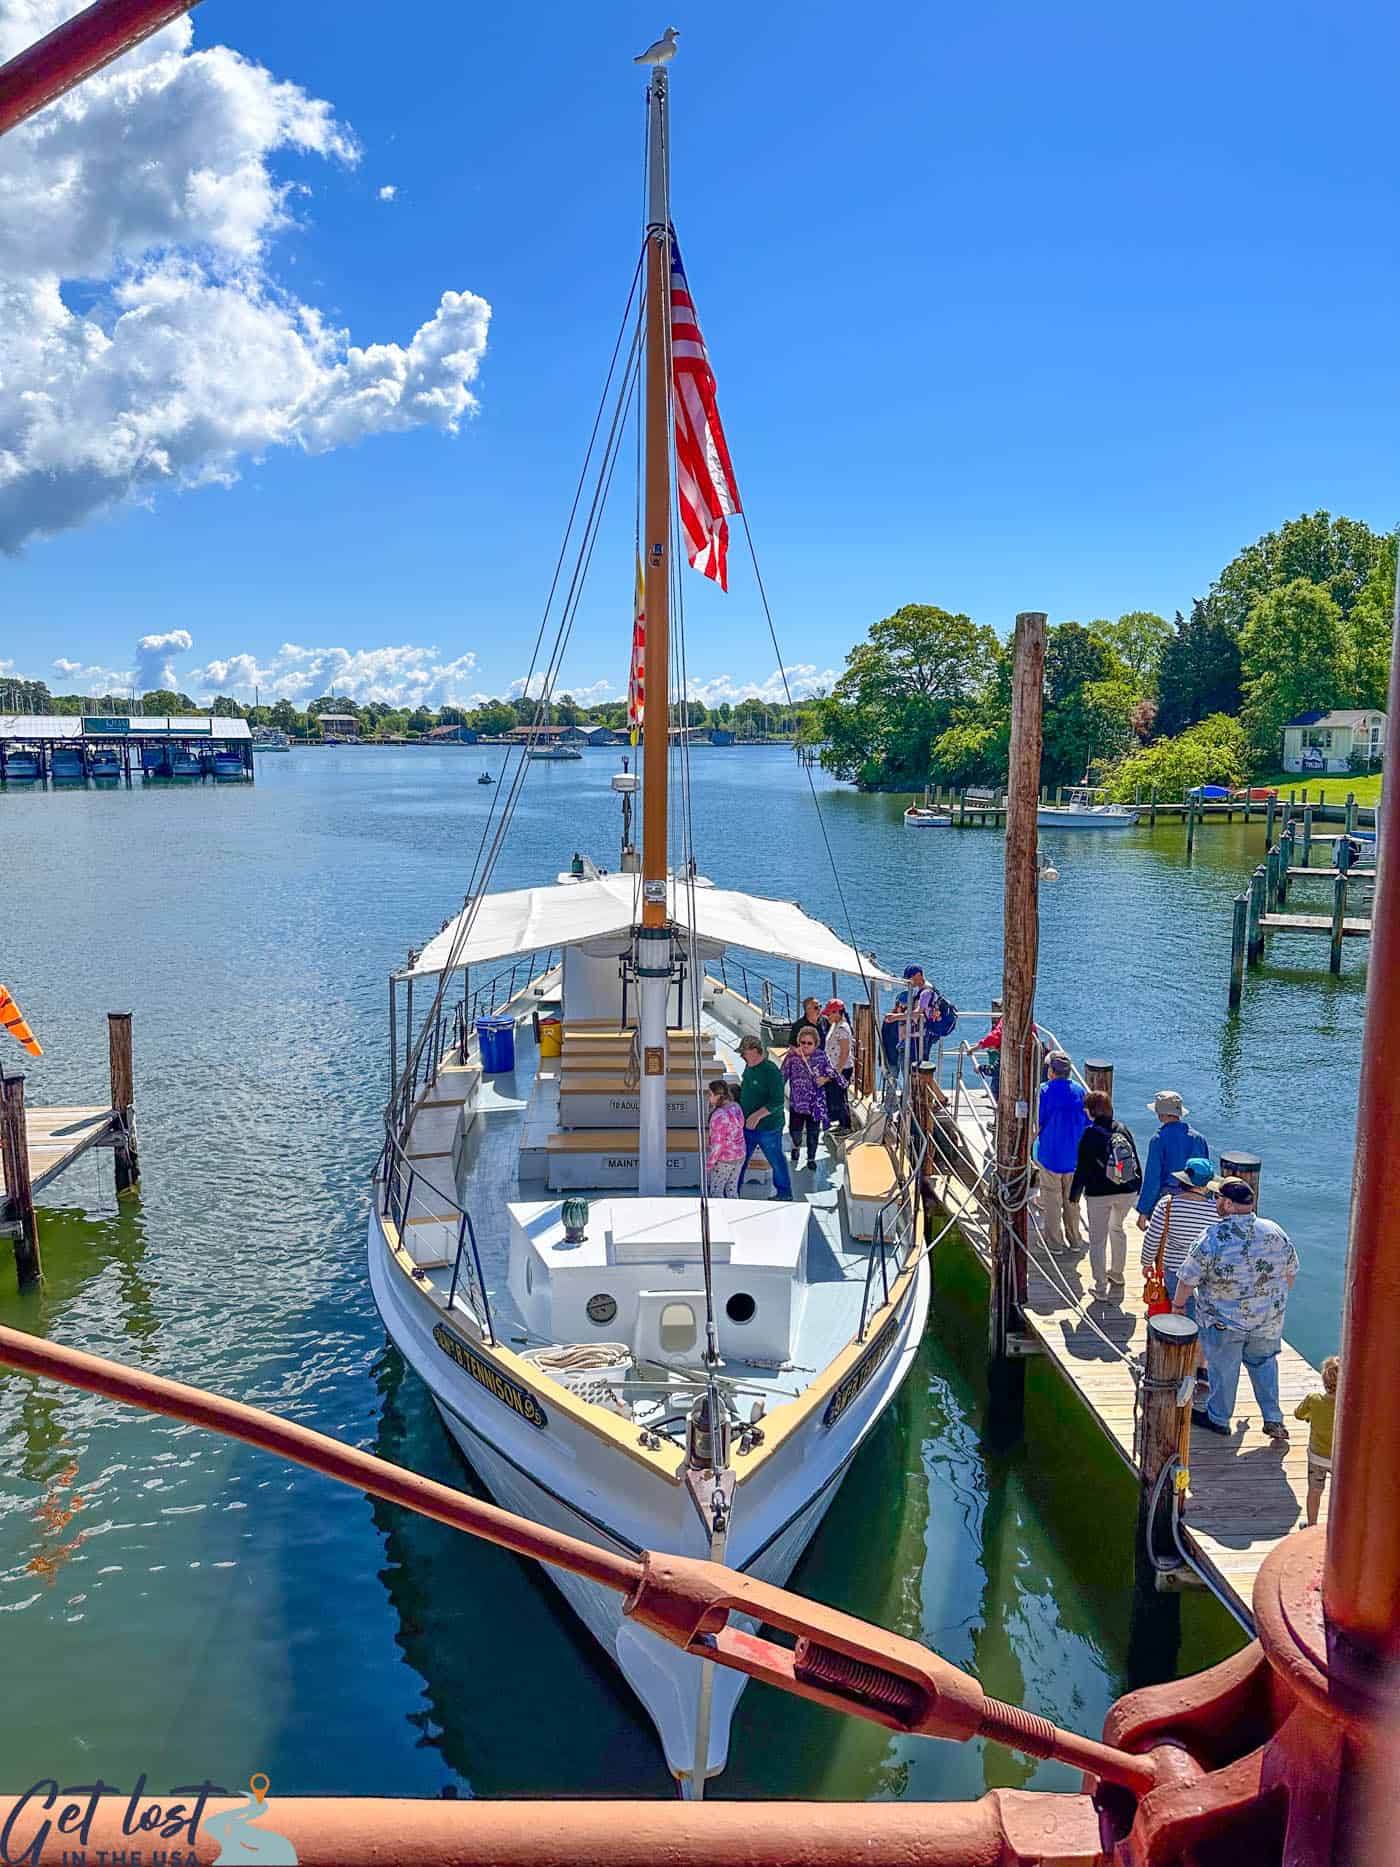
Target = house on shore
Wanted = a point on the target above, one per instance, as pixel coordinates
(451, 736)
(1329, 740)
(338, 725)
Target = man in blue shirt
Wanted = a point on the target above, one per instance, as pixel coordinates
(1174, 1143)
(1061, 1121)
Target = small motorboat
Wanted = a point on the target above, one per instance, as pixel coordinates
(925, 817)
(552, 753)
(1085, 809)
(485, 778)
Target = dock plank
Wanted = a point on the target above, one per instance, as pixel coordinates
(57, 1136)
(1313, 924)
(1246, 1493)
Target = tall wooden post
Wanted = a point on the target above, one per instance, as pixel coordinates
(126, 1163)
(1339, 916)
(14, 1154)
(1152, 809)
(1248, 800)
(1163, 1435)
(1286, 849)
(1098, 1075)
(1237, 1165)
(1006, 1377)
(1270, 807)
(1190, 826)
(1351, 812)
(1239, 933)
(1256, 909)
(1307, 834)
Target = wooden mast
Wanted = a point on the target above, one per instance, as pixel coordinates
(654, 938)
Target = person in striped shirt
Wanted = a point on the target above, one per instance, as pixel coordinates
(1182, 1214)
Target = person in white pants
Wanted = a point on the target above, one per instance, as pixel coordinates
(1109, 1176)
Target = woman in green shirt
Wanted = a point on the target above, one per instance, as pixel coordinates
(761, 1097)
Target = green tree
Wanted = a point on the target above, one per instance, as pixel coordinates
(1372, 628)
(492, 717)
(166, 700)
(1138, 639)
(1339, 555)
(1199, 672)
(1092, 725)
(1073, 656)
(224, 707)
(568, 710)
(900, 690)
(1296, 652)
(1211, 752)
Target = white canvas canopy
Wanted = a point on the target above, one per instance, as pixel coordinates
(530, 920)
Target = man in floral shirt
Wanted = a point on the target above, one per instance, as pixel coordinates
(1241, 1270)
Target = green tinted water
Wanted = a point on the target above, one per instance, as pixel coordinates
(205, 1610)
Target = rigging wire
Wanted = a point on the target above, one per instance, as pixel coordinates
(491, 842)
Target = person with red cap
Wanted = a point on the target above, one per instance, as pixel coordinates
(841, 1055)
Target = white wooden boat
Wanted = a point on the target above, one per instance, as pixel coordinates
(923, 817)
(1085, 809)
(552, 754)
(617, 1353)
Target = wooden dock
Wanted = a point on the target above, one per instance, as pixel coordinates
(1246, 1493)
(39, 1145)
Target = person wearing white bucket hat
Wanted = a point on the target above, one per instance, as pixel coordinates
(1174, 1143)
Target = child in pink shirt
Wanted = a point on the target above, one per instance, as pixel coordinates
(724, 1157)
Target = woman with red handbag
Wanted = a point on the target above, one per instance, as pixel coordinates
(1178, 1219)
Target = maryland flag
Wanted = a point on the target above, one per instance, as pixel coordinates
(637, 677)
(13, 1020)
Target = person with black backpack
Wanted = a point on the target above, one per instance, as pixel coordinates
(1109, 1177)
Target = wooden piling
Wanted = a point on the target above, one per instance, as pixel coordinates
(1152, 808)
(1351, 813)
(1307, 833)
(1098, 1075)
(1190, 826)
(1239, 934)
(1339, 916)
(1256, 909)
(1270, 806)
(1248, 800)
(1164, 1426)
(14, 1154)
(126, 1164)
(1006, 1374)
(1285, 863)
(1237, 1165)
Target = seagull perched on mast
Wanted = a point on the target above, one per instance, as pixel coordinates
(662, 52)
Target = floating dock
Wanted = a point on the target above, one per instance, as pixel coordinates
(1246, 1494)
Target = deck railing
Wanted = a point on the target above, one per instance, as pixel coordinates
(449, 1035)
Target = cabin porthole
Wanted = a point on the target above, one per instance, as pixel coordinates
(601, 1309)
(741, 1307)
(677, 1328)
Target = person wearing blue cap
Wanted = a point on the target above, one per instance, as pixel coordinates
(911, 1007)
(1178, 1219)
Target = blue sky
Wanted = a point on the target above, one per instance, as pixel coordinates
(1037, 308)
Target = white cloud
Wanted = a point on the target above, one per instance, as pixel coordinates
(402, 676)
(76, 677)
(387, 192)
(152, 184)
(803, 680)
(155, 658)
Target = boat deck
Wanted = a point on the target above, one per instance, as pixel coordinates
(522, 1104)
(1246, 1493)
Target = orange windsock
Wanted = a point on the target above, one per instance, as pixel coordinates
(13, 1020)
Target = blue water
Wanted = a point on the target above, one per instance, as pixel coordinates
(178, 1604)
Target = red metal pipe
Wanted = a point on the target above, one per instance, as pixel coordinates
(76, 49)
(1005, 1827)
(838, 1661)
(287, 1440)
(1361, 1575)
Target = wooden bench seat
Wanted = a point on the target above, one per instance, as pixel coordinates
(870, 1185)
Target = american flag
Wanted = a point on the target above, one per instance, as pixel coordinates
(705, 484)
(637, 682)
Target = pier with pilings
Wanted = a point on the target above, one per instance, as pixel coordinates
(39, 1145)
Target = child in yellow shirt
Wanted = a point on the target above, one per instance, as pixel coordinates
(1320, 1411)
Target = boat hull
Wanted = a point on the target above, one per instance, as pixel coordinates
(1053, 819)
(935, 820)
(564, 1476)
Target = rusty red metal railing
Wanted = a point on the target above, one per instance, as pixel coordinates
(76, 49)
(837, 1660)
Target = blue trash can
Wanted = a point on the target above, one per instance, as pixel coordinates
(496, 1037)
